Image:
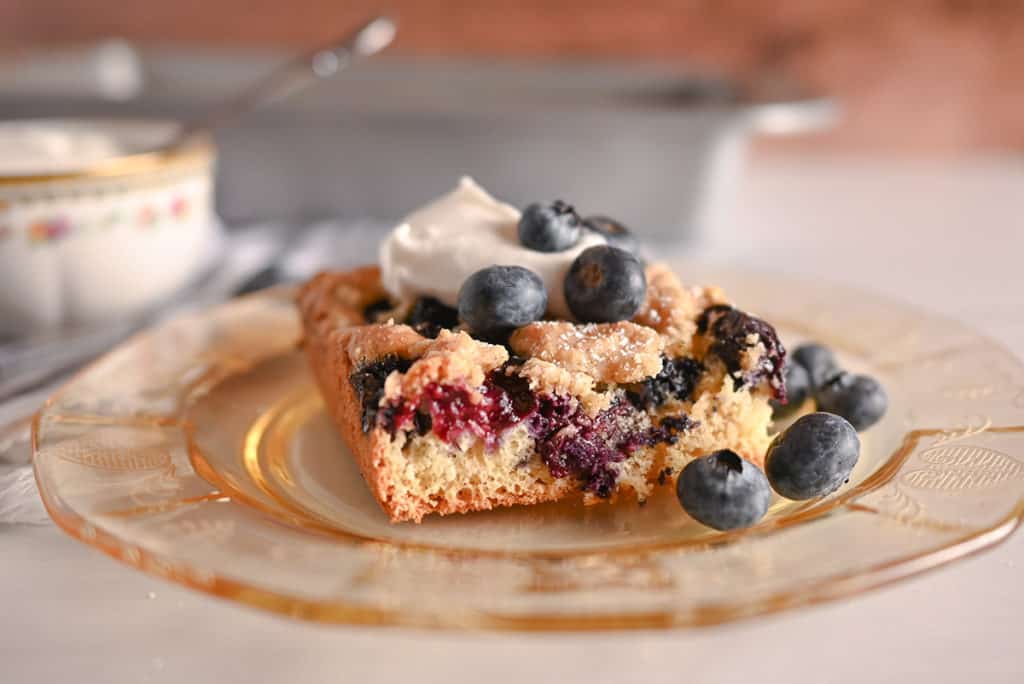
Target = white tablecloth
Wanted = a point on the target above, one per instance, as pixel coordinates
(949, 238)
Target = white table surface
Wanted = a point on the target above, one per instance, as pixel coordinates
(949, 238)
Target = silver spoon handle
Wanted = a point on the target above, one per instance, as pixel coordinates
(323, 62)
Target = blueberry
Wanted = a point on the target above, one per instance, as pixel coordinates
(676, 380)
(368, 383)
(723, 491)
(732, 331)
(859, 399)
(812, 457)
(496, 300)
(798, 388)
(614, 233)
(429, 316)
(605, 284)
(549, 227)
(819, 362)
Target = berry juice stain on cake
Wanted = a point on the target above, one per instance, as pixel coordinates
(574, 444)
(568, 440)
(453, 411)
(571, 443)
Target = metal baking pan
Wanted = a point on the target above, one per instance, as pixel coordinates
(660, 149)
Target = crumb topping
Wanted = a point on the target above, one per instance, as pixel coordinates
(368, 342)
(451, 358)
(672, 309)
(546, 377)
(608, 352)
(332, 301)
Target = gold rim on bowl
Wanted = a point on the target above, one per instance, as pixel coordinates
(197, 152)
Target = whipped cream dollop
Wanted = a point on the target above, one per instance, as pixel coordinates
(435, 248)
(40, 148)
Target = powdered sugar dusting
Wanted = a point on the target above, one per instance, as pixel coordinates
(608, 352)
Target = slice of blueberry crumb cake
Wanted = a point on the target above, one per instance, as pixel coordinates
(496, 358)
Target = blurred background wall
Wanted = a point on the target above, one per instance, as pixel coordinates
(930, 77)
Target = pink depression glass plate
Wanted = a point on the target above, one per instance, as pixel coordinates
(199, 451)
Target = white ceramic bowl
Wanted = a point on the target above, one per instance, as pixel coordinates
(84, 242)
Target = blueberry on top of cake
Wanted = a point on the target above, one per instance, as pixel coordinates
(498, 357)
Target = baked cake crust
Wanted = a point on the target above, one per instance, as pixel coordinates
(611, 372)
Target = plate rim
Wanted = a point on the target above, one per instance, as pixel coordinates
(344, 612)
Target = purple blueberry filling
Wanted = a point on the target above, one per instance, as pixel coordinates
(671, 426)
(569, 441)
(676, 380)
(572, 443)
(450, 412)
(368, 382)
(730, 328)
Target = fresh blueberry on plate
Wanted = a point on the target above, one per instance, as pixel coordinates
(614, 233)
(723, 491)
(859, 399)
(605, 284)
(798, 388)
(819, 362)
(549, 227)
(498, 299)
(812, 457)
